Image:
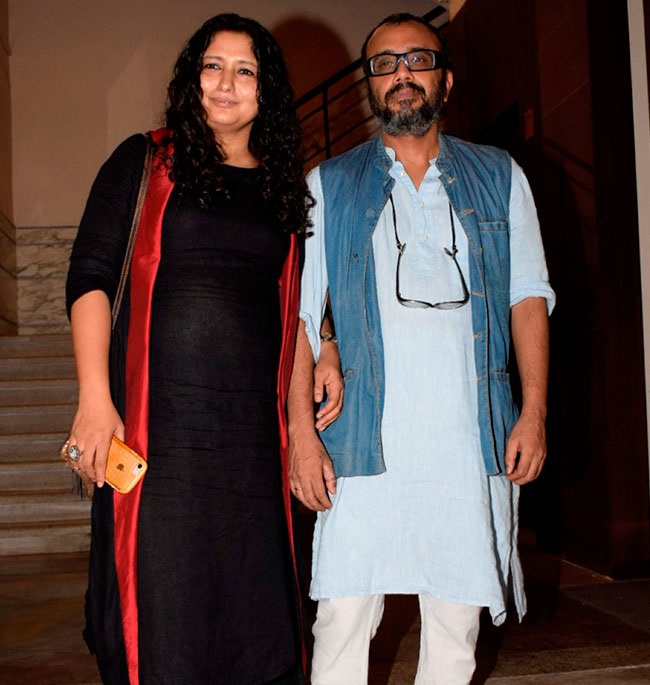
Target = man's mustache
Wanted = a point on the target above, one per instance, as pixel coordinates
(403, 86)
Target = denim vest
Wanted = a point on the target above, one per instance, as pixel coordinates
(356, 186)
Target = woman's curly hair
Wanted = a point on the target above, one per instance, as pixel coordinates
(275, 140)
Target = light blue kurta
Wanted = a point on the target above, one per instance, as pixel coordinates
(434, 522)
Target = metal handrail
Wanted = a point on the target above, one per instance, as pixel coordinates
(325, 139)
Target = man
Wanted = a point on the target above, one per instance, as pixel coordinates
(430, 250)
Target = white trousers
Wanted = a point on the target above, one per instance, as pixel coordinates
(345, 626)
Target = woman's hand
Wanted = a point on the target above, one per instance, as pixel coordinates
(328, 382)
(97, 419)
(94, 425)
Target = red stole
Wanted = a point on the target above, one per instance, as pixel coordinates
(146, 258)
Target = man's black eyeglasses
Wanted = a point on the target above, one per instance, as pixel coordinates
(419, 59)
(420, 304)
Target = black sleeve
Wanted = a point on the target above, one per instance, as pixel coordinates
(99, 248)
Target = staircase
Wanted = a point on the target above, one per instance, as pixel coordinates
(40, 512)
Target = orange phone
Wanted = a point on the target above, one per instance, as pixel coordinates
(124, 467)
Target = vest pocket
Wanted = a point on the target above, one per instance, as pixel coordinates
(496, 253)
(495, 225)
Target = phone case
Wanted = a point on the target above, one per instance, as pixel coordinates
(124, 467)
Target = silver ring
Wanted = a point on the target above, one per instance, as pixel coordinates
(74, 453)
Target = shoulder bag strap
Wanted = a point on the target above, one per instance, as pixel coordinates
(142, 192)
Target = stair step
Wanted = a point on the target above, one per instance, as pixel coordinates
(41, 512)
(18, 528)
(37, 369)
(36, 419)
(41, 507)
(45, 538)
(22, 566)
(36, 476)
(21, 393)
(44, 576)
(37, 447)
(20, 346)
(46, 586)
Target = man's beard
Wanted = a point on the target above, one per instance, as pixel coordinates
(408, 120)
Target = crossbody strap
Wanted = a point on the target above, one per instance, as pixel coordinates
(142, 192)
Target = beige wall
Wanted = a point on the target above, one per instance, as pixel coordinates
(8, 311)
(86, 74)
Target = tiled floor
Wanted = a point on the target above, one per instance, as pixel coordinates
(581, 628)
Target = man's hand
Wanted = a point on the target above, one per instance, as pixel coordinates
(526, 449)
(311, 473)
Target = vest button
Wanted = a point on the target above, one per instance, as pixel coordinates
(370, 213)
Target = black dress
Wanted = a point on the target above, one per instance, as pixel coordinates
(216, 599)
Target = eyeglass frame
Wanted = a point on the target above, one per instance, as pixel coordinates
(440, 61)
(421, 304)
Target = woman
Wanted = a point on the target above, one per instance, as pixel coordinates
(191, 577)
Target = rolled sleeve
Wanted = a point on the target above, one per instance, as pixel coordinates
(528, 271)
(314, 283)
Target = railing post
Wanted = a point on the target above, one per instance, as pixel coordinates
(326, 125)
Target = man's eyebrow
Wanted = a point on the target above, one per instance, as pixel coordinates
(390, 51)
